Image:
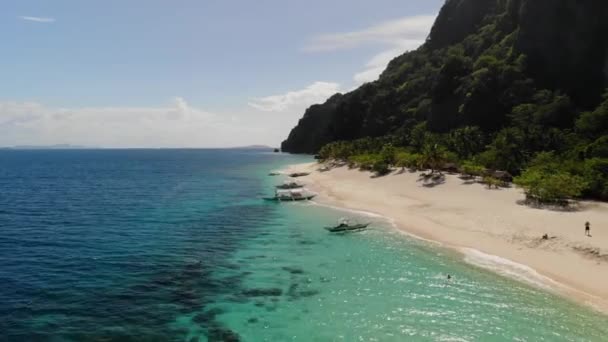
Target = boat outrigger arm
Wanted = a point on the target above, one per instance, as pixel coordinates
(290, 195)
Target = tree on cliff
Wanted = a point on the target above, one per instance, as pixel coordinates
(496, 82)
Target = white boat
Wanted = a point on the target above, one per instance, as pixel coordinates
(289, 186)
(291, 195)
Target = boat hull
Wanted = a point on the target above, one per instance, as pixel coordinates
(277, 199)
(282, 187)
(299, 174)
(347, 228)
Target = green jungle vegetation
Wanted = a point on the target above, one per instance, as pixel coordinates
(512, 85)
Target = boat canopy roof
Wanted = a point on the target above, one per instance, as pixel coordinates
(348, 221)
(288, 182)
(289, 191)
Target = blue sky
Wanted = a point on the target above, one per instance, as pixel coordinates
(151, 73)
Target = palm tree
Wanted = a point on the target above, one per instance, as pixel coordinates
(433, 156)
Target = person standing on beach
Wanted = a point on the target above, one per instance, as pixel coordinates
(587, 228)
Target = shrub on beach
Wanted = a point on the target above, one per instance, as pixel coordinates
(492, 182)
(472, 169)
(547, 176)
(595, 173)
(408, 160)
(381, 168)
(550, 187)
(364, 162)
(370, 162)
(388, 154)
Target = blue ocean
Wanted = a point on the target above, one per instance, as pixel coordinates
(178, 245)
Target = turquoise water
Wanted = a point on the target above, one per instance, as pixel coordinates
(382, 286)
(177, 245)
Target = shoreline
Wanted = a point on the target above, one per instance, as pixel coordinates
(505, 240)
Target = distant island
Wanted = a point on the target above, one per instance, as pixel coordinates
(80, 147)
(254, 147)
(49, 147)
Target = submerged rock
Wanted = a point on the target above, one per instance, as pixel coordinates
(220, 334)
(308, 293)
(293, 270)
(207, 316)
(263, 292)
(306, 242)
(293, 293)
(238, 298)
(292, 290)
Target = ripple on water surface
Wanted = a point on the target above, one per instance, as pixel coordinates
(300, 283)
(171, 245)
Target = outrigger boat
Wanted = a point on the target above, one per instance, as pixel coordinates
(290, 195)
(299, 174)
(345, 226)
(289, 186)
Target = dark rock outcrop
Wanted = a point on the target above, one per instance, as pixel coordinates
(481, 59)
(313, 129)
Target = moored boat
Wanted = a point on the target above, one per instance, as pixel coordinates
(299, 174)
(289, 186)
(346, 226)
(290, 195)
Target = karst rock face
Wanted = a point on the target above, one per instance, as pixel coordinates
(564, 44)
(458, 19)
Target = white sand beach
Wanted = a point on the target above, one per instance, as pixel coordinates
(470, 218)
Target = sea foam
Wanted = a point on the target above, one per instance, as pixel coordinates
(508, 268)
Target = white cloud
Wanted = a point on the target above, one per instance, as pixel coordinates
(398, 36)
(414, 28)
(177, 124)
(277, 114)
(297, 99)
(378, 63)
(266, 120)
(38, 19)
(174, 125)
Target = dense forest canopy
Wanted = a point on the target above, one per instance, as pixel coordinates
(498, 83)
